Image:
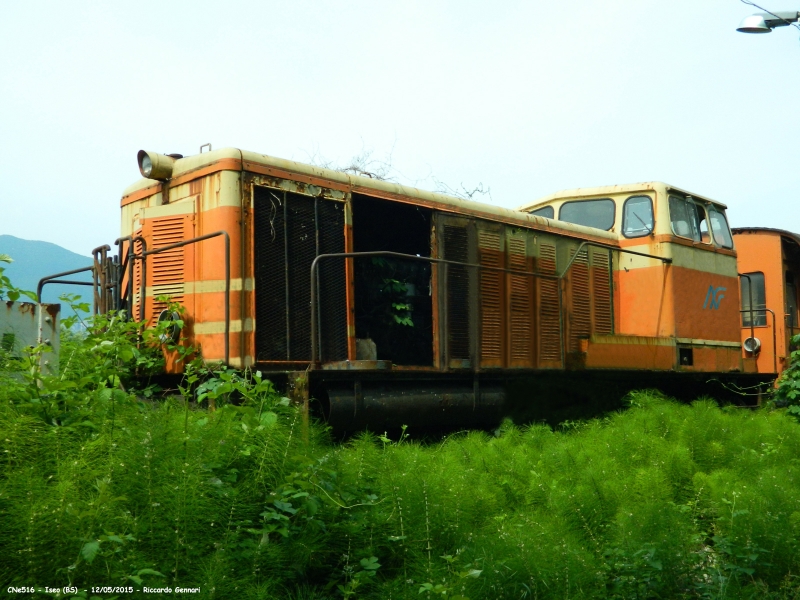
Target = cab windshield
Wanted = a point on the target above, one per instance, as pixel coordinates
(719, 227)
(685, 218)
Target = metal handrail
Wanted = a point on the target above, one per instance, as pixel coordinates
(428, 259)
(663, 259)
(143, 257)
(128, 263)
(774, 333)
(750, 291)
(54, 279)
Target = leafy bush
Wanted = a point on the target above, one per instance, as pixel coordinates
(788, 392)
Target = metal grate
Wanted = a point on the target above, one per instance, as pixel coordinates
(491, 298)
(301, 236)
(167, 267)
(456, 248)
(580, 323)
(270, 275)
(332, 298)
(550, 333)
(601, 293)
(521, 302)
(290, 231)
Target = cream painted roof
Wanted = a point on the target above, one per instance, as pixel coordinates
(190, 163)
(608, 190)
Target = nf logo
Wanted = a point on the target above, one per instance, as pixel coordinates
(714, 297)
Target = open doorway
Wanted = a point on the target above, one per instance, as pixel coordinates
(393, 304)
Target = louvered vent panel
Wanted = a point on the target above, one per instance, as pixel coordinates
(549, 335)
(581, 300)
(137, 279)
(456, 248)
(491, 298)
(601, 293)
(521, 301)
(167, 268)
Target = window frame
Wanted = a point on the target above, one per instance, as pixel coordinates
(757, 320)
(720, 212)
(652, 216)
(549, 206)
(694, 205)
(613, 213)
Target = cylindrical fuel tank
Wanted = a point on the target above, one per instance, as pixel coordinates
(437, 406)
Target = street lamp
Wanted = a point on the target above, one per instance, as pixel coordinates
(766, 22)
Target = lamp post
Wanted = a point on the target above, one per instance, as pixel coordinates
(766, 22)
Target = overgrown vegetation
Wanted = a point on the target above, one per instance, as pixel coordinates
(99, 485)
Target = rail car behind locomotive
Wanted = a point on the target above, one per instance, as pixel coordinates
(769, 263)
(395, 305)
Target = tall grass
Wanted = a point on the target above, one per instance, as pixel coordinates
(664, 500)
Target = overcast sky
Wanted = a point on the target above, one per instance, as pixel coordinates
(527, 98)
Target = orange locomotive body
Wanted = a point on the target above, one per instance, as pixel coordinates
(769, 263)
(391, 304)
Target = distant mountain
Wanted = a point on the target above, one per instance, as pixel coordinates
(34, 260)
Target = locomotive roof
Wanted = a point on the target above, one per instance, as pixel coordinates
(793, 236)
(190, 167)
(608, 190)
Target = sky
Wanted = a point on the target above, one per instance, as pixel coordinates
(523, 98)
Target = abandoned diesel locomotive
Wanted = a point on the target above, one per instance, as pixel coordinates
(390, 304)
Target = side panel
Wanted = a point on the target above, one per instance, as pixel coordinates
(761, 252)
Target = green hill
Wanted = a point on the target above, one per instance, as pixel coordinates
(35, 259)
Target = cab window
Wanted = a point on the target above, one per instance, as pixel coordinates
(685, 219)
(591, 213)
(753, 282)
(637, 216)
(719, 227)
(546, 211)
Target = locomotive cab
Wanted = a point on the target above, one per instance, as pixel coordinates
(690, 298)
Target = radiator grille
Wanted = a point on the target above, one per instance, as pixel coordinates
(581, 300)
(332, 299)
(137, 280)
(290, 231)
(456, 248)
(270, 275)
(521, 302)
(550, 335)
(491, 298)
(601, 293)
(167, 268)
(302, 248)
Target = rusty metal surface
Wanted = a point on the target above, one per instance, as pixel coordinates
(55, 279)
(420, 406)
(26, 324)
(309, 175)
(358, 365)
